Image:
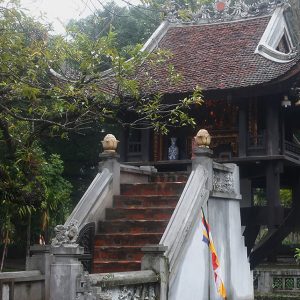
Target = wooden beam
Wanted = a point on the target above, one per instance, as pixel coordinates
(258, 215)
(272, 240)
(250, 235)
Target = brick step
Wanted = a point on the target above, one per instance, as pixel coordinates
(158, 213)
(139, 217)
(153, 188)
(123, 239)
(145, 201)
(113, 266)
(132, 226)
(116, 253)
(180, 176)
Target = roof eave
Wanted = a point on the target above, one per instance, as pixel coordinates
(155, 38)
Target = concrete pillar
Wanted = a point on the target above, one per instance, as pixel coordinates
(154, 259)
(111, 162)
(41, 259)
(64, 271)
(203, 157)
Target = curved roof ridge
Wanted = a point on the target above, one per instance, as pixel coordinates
(217, 11)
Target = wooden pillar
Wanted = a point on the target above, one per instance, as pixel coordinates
(123, 145)
(243, 129)
(272, 117)
(123, 138)
(157, 147)
(272, 191)
(145, 145)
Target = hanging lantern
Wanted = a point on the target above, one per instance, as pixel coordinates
(286, 102)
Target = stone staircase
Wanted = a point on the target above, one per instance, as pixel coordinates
(138, 217)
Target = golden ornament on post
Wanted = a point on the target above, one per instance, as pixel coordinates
(203, 138)
(110, 143)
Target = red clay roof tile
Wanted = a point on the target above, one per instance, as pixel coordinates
(217, 56)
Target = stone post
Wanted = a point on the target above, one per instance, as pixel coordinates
(41, 260)
(154, 259)
(65, 269)
(203, 155)
(110, 160)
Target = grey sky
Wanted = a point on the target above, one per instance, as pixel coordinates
(59, 12)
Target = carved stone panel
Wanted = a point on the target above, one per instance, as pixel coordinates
(130, 292)
(134, 292)
(223, 182)
(109, 289)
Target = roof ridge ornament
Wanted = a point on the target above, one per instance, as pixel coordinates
(221, 11)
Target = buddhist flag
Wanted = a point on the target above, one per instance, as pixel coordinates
(207, 238)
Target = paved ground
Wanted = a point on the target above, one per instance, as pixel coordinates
(278, 297)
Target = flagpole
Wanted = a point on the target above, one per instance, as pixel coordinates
(209, 264)
(215, 264)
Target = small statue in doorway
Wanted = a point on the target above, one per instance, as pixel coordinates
(173, 150)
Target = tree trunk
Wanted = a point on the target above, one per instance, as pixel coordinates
(4, 251)
(28, 237)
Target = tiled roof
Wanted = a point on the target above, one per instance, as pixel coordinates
(217, 56)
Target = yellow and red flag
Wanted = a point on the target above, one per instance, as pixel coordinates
(207, 238)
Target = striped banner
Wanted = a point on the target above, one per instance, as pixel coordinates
(207, 239)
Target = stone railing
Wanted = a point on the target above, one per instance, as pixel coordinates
(148, 284)
(193, 197)
(214, 188)
(268, 280)
(134, 174)
(115, 286)
(94, 200)
(99, 195)
(25, 285)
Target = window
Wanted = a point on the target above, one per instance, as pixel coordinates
(134, 141)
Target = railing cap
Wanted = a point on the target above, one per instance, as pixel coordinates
(158, 249)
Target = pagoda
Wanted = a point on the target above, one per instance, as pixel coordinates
(244, 55)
